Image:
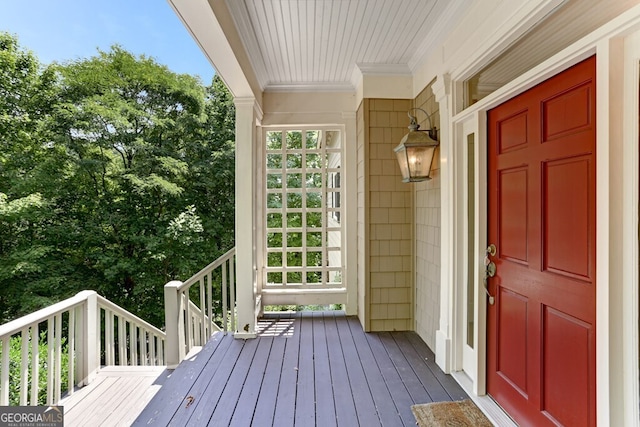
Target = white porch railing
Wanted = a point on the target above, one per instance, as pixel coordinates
(190, 323)
(64, 345)
(85, 331)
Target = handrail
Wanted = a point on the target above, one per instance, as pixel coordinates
(215, 264)
(189, 323)
(124, 313)
(77, 336)
(17, 325)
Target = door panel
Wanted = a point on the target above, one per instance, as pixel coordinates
(541, 174)
(565, 229)
(513, 218)
(512, 344)
(567, 348)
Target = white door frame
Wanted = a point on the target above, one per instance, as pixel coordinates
(617, 177)
(467, 357)
(630, 240)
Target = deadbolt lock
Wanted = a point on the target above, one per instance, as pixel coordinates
(491, 250)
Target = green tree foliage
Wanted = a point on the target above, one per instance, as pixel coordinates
(25, 92)
(119, 178)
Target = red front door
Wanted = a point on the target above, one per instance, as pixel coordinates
(541, 335)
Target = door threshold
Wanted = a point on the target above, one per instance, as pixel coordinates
(486, 404)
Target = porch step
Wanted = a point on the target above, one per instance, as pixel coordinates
(115, 397)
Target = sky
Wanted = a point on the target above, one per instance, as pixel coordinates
(66, 30)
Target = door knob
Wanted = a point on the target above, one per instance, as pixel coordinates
(489, 270)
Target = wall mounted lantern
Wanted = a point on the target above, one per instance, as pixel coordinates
(415, 151)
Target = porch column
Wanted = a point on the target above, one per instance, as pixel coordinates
(444, 334)
(247, 115)
(350, 204)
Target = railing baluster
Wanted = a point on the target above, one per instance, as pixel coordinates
(184, 337)
(203, 315)
(4, 372)
(112, 342)
(51, 370)
(209, 306)
(108, 338)
(122, 333)
(223, 285)
(195, 320)
(143, 347)
(58, 358)
(157, 351)
(187, 315)
(35, 363)
(133, 343)
(232, 286)
(147, 336)
(151, 349)
(24, 366)
(71, 350)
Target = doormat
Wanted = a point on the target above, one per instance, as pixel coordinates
(450, 414)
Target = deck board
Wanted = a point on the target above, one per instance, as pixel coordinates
(165, 405)
(343, 395)
(422, 372)
(123, 391)
(234, 387)
(205, 397)
(286, 403)
(396, 387)
(325, 406)
(266, 404)
(242, 416)
(385, 406)
(448, 382)
(365, 406)
(415, 388)
(305, 396)
(312, 369)
(115, 397)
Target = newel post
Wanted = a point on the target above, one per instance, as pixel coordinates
(88, 339)
(174, 351)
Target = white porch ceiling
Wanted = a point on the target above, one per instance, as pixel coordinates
(319, 44)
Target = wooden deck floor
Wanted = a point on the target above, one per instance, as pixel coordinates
(310, 369)
(115, 397)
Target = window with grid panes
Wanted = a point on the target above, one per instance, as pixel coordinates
(303, 228)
